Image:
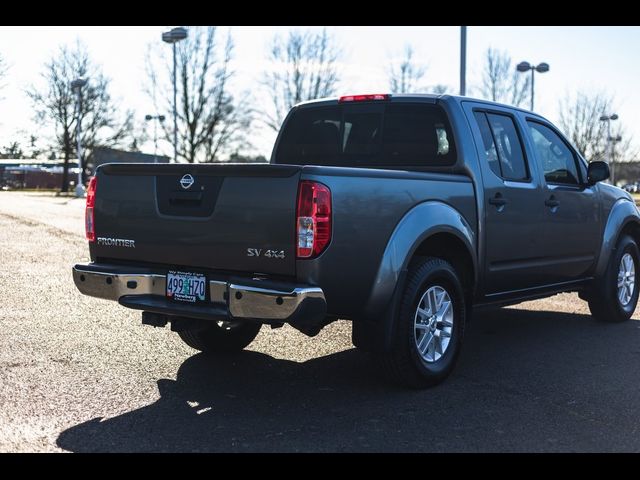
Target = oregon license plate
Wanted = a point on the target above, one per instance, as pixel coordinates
(186, 286)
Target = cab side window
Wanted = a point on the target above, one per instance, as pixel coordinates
(555, 157)
(502, 146)
(489, 145)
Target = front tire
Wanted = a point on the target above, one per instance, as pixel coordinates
(221, 337)
(429, 327)
(615, 294)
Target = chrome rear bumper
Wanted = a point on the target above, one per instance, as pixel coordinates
(113, 285)
(230, 298)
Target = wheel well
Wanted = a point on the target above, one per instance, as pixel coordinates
(452, 249)
(633, 230)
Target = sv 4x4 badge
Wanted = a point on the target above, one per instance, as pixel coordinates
(259, 252)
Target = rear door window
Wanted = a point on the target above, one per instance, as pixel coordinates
(509, 147)
(368, 135)
(502, 146)
(491, 154)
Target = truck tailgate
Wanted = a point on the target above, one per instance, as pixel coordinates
(238, 218)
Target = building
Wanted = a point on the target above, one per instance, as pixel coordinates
(627, 172)
(102, 155)
(47, 174)
(18, 173)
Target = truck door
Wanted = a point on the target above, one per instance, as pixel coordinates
(571, 208)
(514, 244)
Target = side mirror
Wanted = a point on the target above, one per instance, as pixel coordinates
(597, 172)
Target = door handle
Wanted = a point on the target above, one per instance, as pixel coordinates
(498, 200)
(551, 202)
(185, 199)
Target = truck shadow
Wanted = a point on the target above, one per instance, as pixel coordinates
(521, 371)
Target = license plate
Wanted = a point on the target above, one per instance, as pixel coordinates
(186, 286)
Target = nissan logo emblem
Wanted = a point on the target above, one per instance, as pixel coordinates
(186, 181)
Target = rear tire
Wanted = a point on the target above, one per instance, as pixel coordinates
(615, 294)
(225, 338)
(429, 327)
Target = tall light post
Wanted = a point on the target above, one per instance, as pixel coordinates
(173, 36)
(463, 60)
(613, 141)
(159, 118)
(540, 68)
(610, 140)
(76, 86)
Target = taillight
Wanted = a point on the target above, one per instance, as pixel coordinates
(313, 216)
(89, 224)
(364, 98)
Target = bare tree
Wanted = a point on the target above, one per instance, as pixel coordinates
(501, 82)
(440, 89)
(405, 75)
(12, 151)
(579, 118)
(210, 121)
(35, 150)
(55, 105)
(304, 66)
(3, 70)
(30, 146)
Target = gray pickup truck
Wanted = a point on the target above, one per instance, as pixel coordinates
(399, 213)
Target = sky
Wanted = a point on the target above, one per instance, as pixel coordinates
(580, 58)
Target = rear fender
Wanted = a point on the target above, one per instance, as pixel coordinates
(374, 330)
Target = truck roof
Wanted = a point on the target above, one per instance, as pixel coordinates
(424, 97)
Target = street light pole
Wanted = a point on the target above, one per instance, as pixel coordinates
(76, 86)
(609, 143)
(532, 89)
(613, 141)
(159, 118)
(173, 36)
(463, 60)
(175, 109)
(540, 68)
(610, 140)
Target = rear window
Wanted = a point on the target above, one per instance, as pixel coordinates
(368, 135)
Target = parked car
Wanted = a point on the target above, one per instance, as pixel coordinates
(399, 213)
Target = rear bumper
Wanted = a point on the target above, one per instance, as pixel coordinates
(230, 297)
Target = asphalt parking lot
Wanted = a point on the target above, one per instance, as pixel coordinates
(83, 375)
